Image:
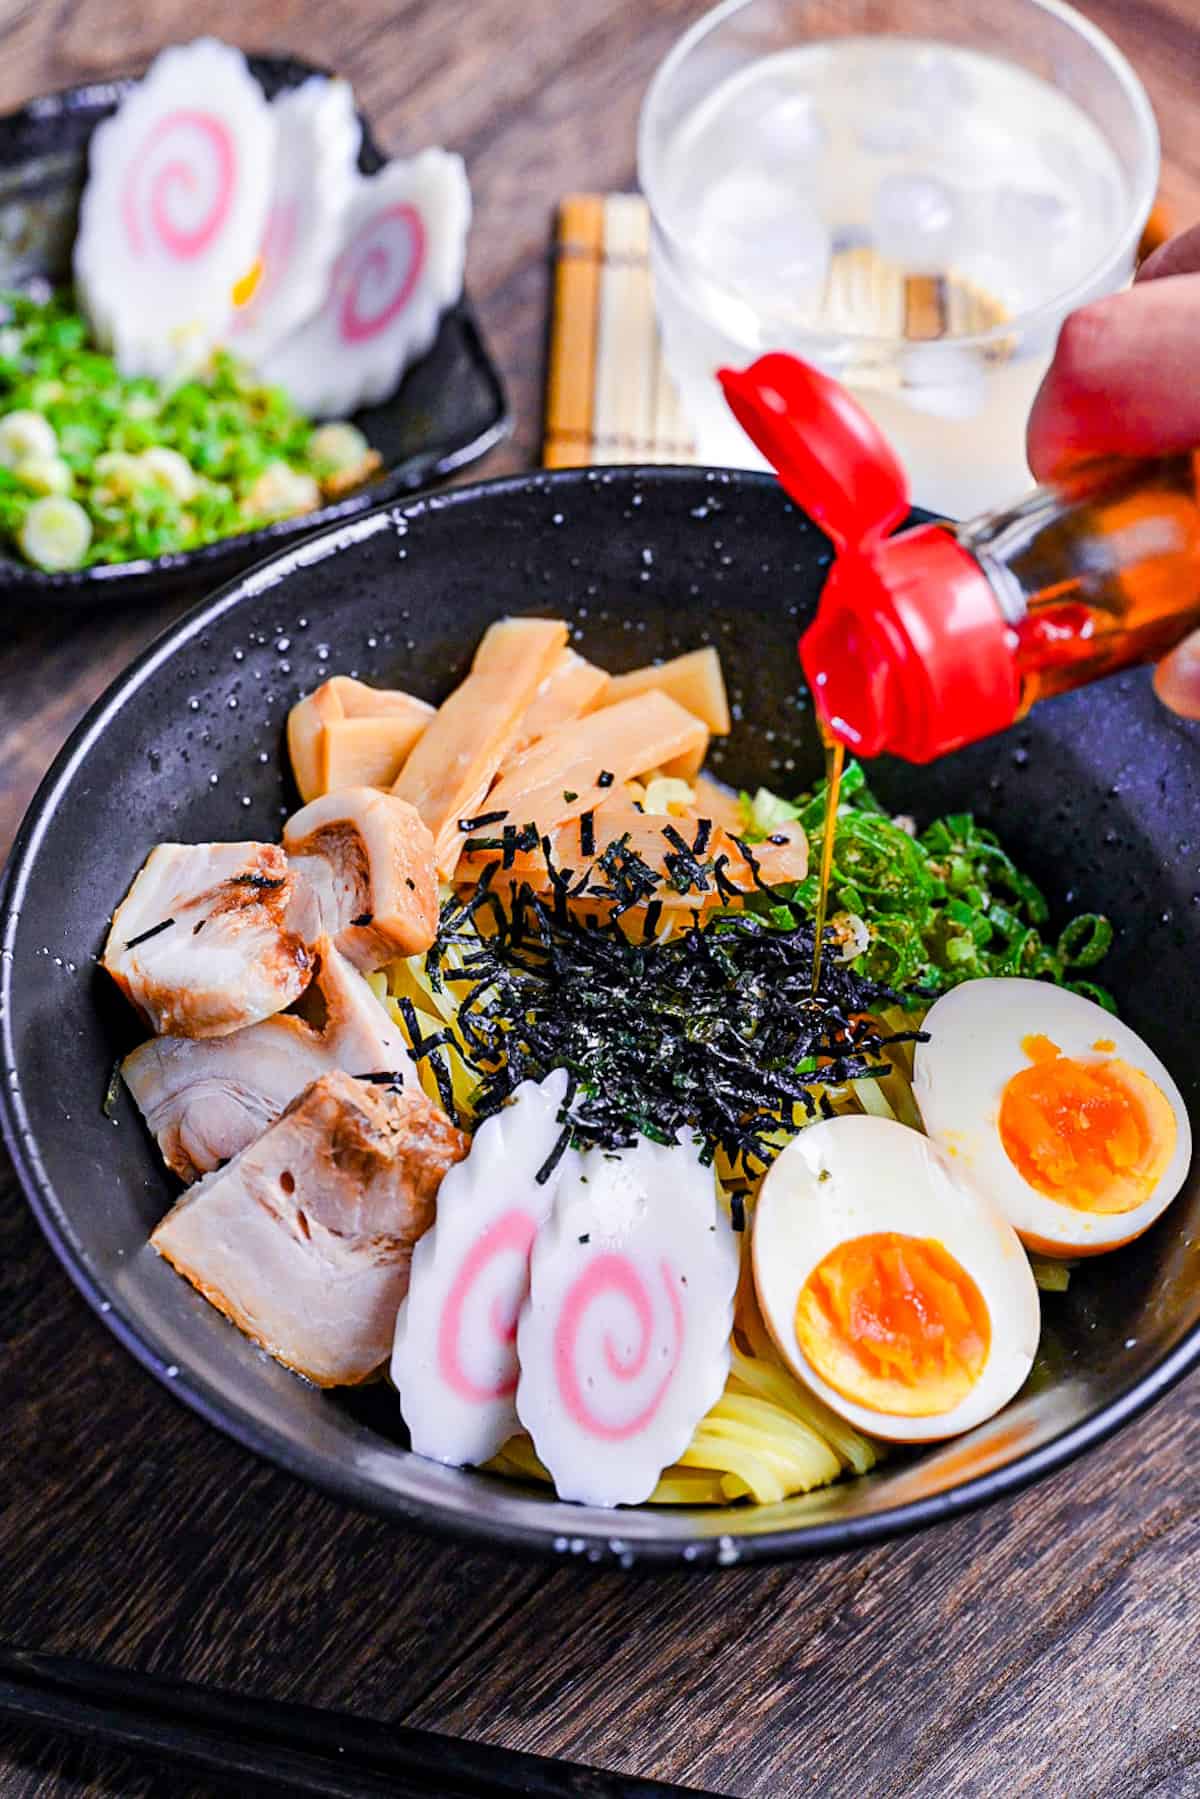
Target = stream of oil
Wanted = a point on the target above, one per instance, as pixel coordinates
(835, 756)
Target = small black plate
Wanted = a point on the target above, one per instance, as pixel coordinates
(1097, 795)
(449, 409)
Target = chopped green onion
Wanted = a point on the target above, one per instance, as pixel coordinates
(154, 469)
(946, 906)
(56, 533)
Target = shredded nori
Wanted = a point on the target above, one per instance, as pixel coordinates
(156, 930)
(429, 1049)
(715, 1031)
(467, 825)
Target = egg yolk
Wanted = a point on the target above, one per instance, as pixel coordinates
(894, 1323)
(1095, 1136)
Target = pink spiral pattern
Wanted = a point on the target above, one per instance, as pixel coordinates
(614, 1274)
(166, 169)
(378, 272)
(511, 1234)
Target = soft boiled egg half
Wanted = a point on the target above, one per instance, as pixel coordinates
(1058, 1112)
(893, 1289)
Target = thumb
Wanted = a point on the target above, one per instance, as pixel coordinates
(1177, 678)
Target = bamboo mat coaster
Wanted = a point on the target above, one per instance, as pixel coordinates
(609, 397)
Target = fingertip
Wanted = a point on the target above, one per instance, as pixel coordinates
(1177, 678)
(1178, 256)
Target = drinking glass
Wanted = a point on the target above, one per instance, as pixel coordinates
(909, 195)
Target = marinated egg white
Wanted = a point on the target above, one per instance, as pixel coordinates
(893, 1289)
(1058, 1111)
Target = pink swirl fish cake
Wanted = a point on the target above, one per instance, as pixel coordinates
(318, 135)
(399, 265)
(624, 1340)
(455, 1358)
(178, 183)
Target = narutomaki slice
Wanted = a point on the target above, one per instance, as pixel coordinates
(571, 688)
(451, 768)
(455, 1360)
(694, 681)
(346, 732)
(623, 1342)
(205, 1099)
(698, 864)
(202, 945)
(304, 1240)
(577, 765)
(363, 861)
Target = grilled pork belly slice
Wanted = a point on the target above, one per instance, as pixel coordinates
(364, 866)
(205, 1099)
(201, 943)
(304, 1240)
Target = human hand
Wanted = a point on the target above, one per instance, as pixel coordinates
(1125, 381)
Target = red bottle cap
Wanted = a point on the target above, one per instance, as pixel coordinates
(909, 651)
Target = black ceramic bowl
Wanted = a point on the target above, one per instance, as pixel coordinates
(1098, 795)
(448, 410)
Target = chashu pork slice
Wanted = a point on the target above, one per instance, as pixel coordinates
(304, 1240)
(363, 862)
(206, 1098)
(201, 943)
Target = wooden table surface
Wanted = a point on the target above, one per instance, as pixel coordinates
(1044, 1647)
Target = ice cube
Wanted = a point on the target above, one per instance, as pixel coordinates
(944, 381)
(916, 221)
(773, 120)
(765, 237)
(936, 83)
(1030, 220)
(1084, 179)
(894, 131)
(791, 127)
(1035, 237)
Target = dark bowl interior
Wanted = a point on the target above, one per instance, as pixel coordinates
(1097, 794)
(448, 410)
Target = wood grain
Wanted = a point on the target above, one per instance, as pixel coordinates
(1043, 1648)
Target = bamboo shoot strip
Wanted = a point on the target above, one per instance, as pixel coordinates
(686, 872)
(317, 766)
(573, 686)
(694, 681)
(623, 741)
(448, 773)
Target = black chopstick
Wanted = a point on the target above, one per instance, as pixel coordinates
(270, 1741)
